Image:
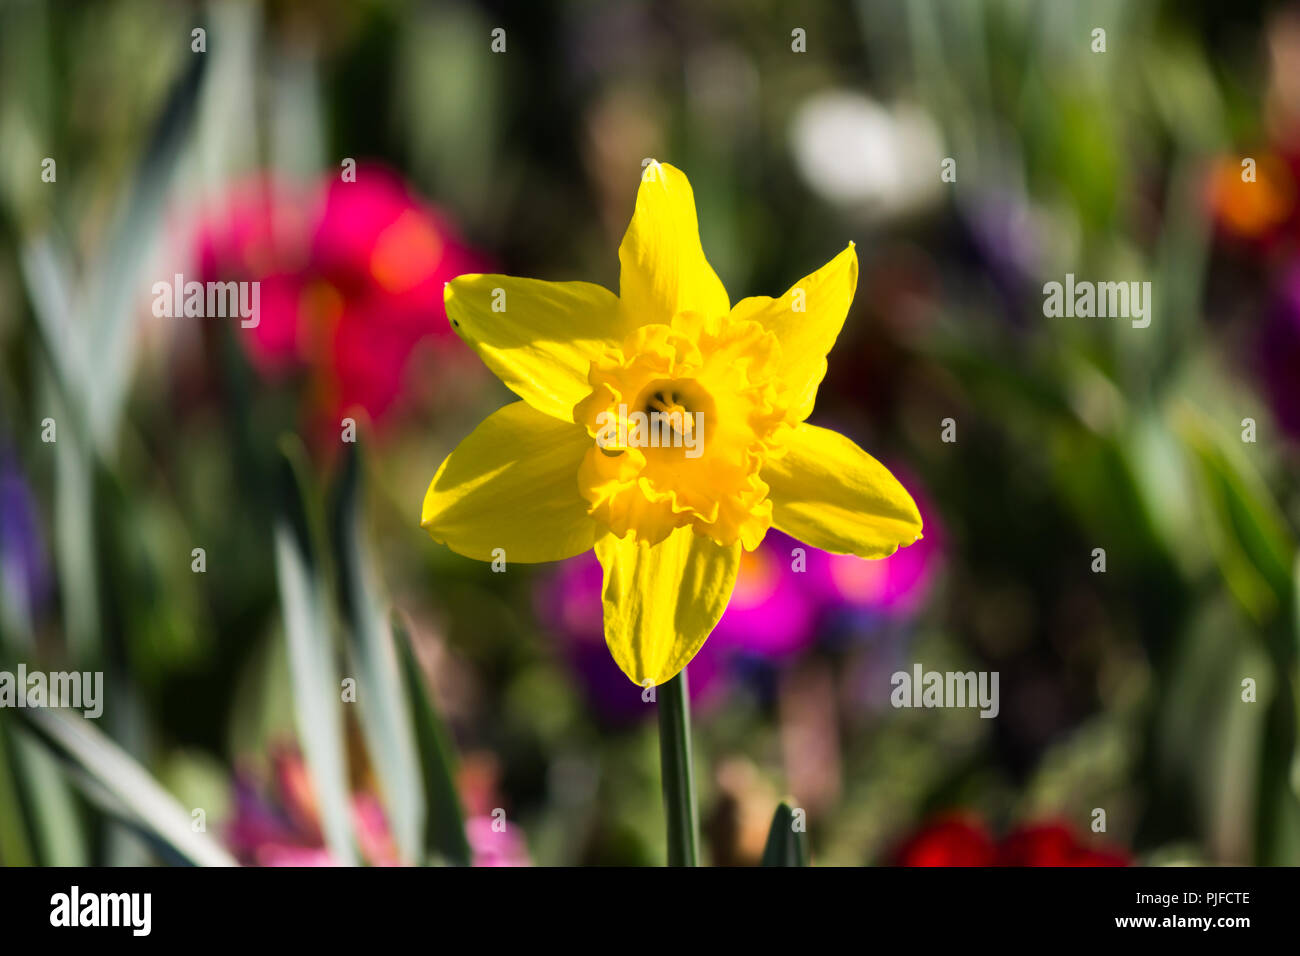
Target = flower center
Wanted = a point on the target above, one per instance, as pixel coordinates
(683, 416)
(664, 400)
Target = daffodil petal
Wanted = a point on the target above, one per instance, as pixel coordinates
(512, 484)
(538, 337)
(829, 493)
(663, 269)
(807, 320)
(661, 601)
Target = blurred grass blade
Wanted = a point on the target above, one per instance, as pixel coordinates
(1255, 551)
(1246, 528)
(48, 277)
(90, 327)
(785, 846)
(1294, 775)
(312, 666)
(16, 841)
(107, 768)
(444, 834)
(76, 542)
(112, 292)
(385, 718)
(55, 823)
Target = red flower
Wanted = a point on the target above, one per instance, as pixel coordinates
(351, 281)
(959, 840)
(948, 841)
(1053, 844)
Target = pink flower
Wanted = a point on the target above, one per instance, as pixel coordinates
(493, 845)
(493, 840)
(280, 826)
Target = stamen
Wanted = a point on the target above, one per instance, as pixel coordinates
(667, 402)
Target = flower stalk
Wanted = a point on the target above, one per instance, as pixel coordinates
(680, 810)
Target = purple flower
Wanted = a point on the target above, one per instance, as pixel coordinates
(1279, 353)
(1008, 235)
(24, 564)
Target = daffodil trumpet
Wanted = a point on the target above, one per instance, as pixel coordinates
(540, 479)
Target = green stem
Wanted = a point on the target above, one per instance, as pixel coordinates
(678, 776)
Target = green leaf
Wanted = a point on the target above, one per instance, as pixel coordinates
(385, 715)
(785, 846)
(312, 666)
(112, 779)
(444, 834)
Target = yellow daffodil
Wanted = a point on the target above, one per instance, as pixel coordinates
(548, 477)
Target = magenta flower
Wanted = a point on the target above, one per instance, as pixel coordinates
(780, 597)
(351, 281)
(896, 588)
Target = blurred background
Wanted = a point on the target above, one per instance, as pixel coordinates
(181, 508)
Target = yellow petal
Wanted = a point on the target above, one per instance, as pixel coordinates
(661, 601)
(829, 493)
(807, 320)
(663, 266)
(538, 337)
(513, 484)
